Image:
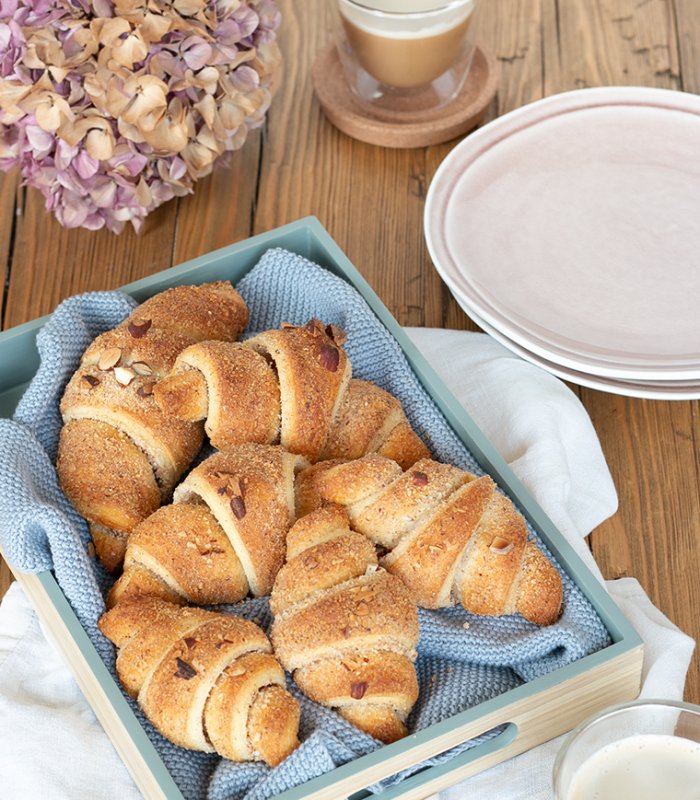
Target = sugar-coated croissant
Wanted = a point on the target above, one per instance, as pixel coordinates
(224, 536)
(119, 455)
(344, 627)
(449, 535)
(206, 681)
(291, 386)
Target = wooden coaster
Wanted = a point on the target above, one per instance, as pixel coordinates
(404, 129)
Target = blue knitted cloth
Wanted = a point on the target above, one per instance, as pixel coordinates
(40, 530)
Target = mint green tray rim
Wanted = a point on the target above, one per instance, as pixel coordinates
(307, 237)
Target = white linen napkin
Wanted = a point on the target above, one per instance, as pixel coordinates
(52, 746)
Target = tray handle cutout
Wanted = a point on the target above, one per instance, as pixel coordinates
(415, 786)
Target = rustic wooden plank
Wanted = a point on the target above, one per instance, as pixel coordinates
(50, 263)
(651, 447)
(611, 42)
(688, 33)
(370, 198)
(220, 212)
(8, 197)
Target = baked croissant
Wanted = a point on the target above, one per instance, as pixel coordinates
(206, 681)
(345, 628)
(223, 537)
(449, 535)
(119, 455)
(291, 386)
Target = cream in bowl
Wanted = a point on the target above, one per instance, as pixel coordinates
(648, 750)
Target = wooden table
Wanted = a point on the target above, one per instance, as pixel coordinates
(371, 200)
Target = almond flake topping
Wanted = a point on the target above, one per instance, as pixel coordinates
(90, 380)
(357, 690)
(337, 334)
(124, 375)
(109, 358)
(184, 670)
(138, 328)
(329, 357)
(141, 368)
(146, 390)
(238, 507)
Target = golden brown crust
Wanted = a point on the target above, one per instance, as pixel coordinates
(110, 546)
(290, 386)
(136, 582)
(186, 554)
(189, 671)
(540, 592)
(366, 416)
(197, 675)
(183, 395)
(354, 483)
(250, 491)
(347, 629)
(413, 494)
(250, 715)
(378, 677)
(404, 446)
(451, 536)
(313, 372)
(273, 723)
(154, 351)
(105, 475)
(169, 444)
(379, 721)
(308, 497)
(242, 392)
(370, 420)
(368, 613)
(427, 558)
(210, 311)
(323, 552)
(117, 443)
(487, 579)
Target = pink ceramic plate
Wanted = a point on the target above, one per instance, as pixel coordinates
(649, 390)
(572, 226)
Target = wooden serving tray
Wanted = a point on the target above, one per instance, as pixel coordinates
(530, 714)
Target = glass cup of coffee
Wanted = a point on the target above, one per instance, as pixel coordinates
(647, 750)
(405, 55)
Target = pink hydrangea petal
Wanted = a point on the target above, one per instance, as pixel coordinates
(39, 140)
(198, 56)
(104, 193)
(245, 79)
(85, 165)
(178, 169)
(64, 154)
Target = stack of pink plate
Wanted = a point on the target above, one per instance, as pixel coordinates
(569, 230)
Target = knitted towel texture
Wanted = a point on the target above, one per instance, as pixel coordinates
(40, 530)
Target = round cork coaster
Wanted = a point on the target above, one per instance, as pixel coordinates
(406, 128)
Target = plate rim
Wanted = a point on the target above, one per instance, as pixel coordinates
(438, 197)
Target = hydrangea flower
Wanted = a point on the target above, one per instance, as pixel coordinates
(112, 107)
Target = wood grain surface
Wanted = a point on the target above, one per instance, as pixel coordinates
(371, 200)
